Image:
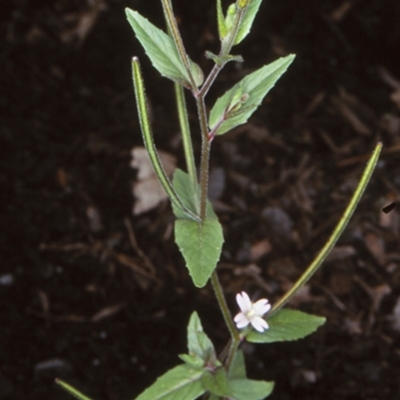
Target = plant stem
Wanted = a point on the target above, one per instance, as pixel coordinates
(336, 233)
(219, 294)
(173, 28)
(205, 155)
(210, 80)
(186, 137)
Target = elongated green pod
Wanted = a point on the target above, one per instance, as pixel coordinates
(310, 271)
(141, 103)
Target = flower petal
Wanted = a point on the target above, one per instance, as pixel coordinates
(259, 324)
(241, 321)
(261, 307)
(244, 302)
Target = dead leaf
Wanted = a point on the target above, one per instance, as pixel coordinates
(107, 312)
(260, 249)
(147, 190)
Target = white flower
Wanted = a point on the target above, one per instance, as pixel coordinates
(251, 313)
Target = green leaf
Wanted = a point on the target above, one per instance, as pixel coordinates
(247, 20)
(238, 367)
(199, 344)
(248, 389)
(253, 87)
(192, 361)
(216, 382)
(222, 30)
(287, 325)
(200, 244)
(189, 196)
(71, 390)
(162, 50)
(179, 383)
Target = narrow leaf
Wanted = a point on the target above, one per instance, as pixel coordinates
(216, 382)
(253, 87)
(179, 383)
(161, 50)
(222, 30)
(248, 389)
(247, 20)
(200, 245)
(198, 342)
(71, 390)
(287, 325)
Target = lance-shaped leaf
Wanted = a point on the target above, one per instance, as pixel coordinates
(200, 244)
(287, 325)
(248, 19)
(199, 344)
(72, 391)
(225, 116)
(162, 50)
(179, 383)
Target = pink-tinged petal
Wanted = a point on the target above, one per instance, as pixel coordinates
(259, 324)
(243, 301)
(261, 307)
(241, 321)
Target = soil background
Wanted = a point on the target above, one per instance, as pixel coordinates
(99, 297)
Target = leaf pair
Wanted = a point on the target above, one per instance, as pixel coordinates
(202, 372)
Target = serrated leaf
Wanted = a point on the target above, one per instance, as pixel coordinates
(287, 325)
(162, 51)
(199, 344)
(188, 195)
(254, 87)
(238, 367)
(248, 389)
(217, 382)
(179, 383)
(200, 245)
(71, 390)
(247, 20)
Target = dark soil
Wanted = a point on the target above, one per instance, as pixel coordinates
(79, 299)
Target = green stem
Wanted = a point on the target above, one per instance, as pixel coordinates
(336, 233)
(173, 29)
(205, 156)
(186, 137)
(219, 294)
(210, 80)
